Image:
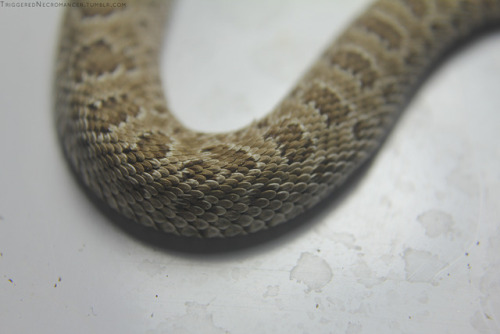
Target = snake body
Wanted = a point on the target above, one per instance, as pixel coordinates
(121, 139)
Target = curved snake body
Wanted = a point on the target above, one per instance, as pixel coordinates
(130, 151)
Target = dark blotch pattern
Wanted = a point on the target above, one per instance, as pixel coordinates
(328, 103)
(356, 64)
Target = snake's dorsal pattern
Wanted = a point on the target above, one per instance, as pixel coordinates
(128, 148)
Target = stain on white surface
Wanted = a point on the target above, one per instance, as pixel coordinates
(272, 291)
(313, 271)
(345, 239)
(196, 320)
(485, 320)
(421, 266)
(151, 268)
(353, 328)
(463, 179)
(479, 321)
(437, 223)
(239, 273)
(424, 298)
(365, 274)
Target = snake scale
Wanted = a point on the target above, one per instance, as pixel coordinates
(126, 146)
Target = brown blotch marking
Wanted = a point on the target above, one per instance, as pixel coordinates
(153, 145)
(98, 58)
(490, 5)
(143, 23)
(444, 5)
(97, 126)
(112, 110)
(384, 30)
(439, 29)
(414, 58)
(357, 64)
(417, 7)
(263, 123)
(467, 8)
(291, 140)
(160, 108)
(363, 129)
(390, 92)
(328, 103)
(223, 152)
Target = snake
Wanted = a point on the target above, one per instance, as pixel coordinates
(129, 150)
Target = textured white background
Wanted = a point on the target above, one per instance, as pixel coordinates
(412, 246)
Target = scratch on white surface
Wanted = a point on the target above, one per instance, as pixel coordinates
(437, 223)
(92, 311)
(489, 314)
(313, 271)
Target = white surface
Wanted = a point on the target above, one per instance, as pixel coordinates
(413, 246)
